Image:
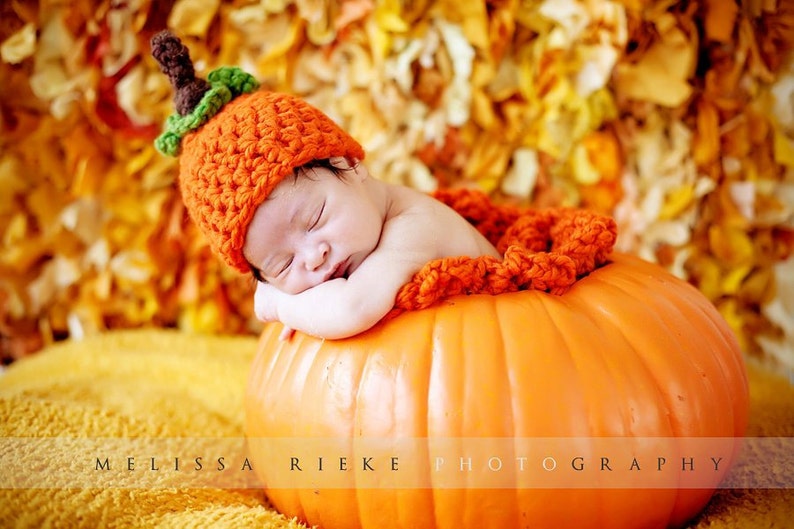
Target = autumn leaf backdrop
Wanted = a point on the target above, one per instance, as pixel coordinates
(677, 118)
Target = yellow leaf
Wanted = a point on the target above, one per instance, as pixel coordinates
(758, 287)
(193, 17)
(706, 147)
(732, 246)
(662, 74)
(720, 19)
(202, 318)
(596, 69)
(16, 229)
(20, 45)
(482, 112)
(45, 203)
(708, 274)
(734, 278)
(677, 201)
(388, 19)
(604, 153)
(729, 308)
(12, 182)
(488, 161)
(523, 174)
(473, 18)
(783, 148)
(584, 172)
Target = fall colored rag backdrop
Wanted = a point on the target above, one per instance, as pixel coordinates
(675, 117)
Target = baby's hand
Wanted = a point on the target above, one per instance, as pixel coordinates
(265, 301)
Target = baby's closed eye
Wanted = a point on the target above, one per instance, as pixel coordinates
(284, 267)
(317, 217)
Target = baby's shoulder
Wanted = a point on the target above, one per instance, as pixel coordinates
(422, 215)
(428, 228)
(411, 203)
(411, 215)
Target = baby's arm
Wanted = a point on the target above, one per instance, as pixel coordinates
(344, 307)
(341, 307)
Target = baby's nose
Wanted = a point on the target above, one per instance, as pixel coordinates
(316, 257)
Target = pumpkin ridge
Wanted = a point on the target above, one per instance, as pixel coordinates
(665, 395)
(728, 364)
(571, 348)
(580, 397)
(605, 322)
(513, 395)
(505, 363)
(700, 396)
(674, 496)
(676, 315)
(502, 360)
(602, 317)
(648, 375)
(704, 363)
(707, 390)
(719, 364)
(613, 375)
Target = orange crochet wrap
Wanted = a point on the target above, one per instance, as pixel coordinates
(546, 249)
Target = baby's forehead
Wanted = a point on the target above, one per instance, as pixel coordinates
(308, 184)
(300, 177)
(291, 189)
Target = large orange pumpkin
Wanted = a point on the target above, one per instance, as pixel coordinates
(626, 352)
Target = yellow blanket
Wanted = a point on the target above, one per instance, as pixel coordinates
(167, 384)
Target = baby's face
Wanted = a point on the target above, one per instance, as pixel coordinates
(313, 229)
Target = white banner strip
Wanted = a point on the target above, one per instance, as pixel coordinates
(403, 463)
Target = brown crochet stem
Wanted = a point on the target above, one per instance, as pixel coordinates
(174, 60)
(547, 250)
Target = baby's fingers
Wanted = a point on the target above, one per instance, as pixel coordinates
(265, 303)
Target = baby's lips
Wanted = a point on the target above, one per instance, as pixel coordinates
(338, 270)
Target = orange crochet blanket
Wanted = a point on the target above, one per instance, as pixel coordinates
(546, 249)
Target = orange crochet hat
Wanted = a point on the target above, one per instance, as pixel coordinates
(235, 144)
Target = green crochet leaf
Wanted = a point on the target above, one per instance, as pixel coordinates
(226, 82)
